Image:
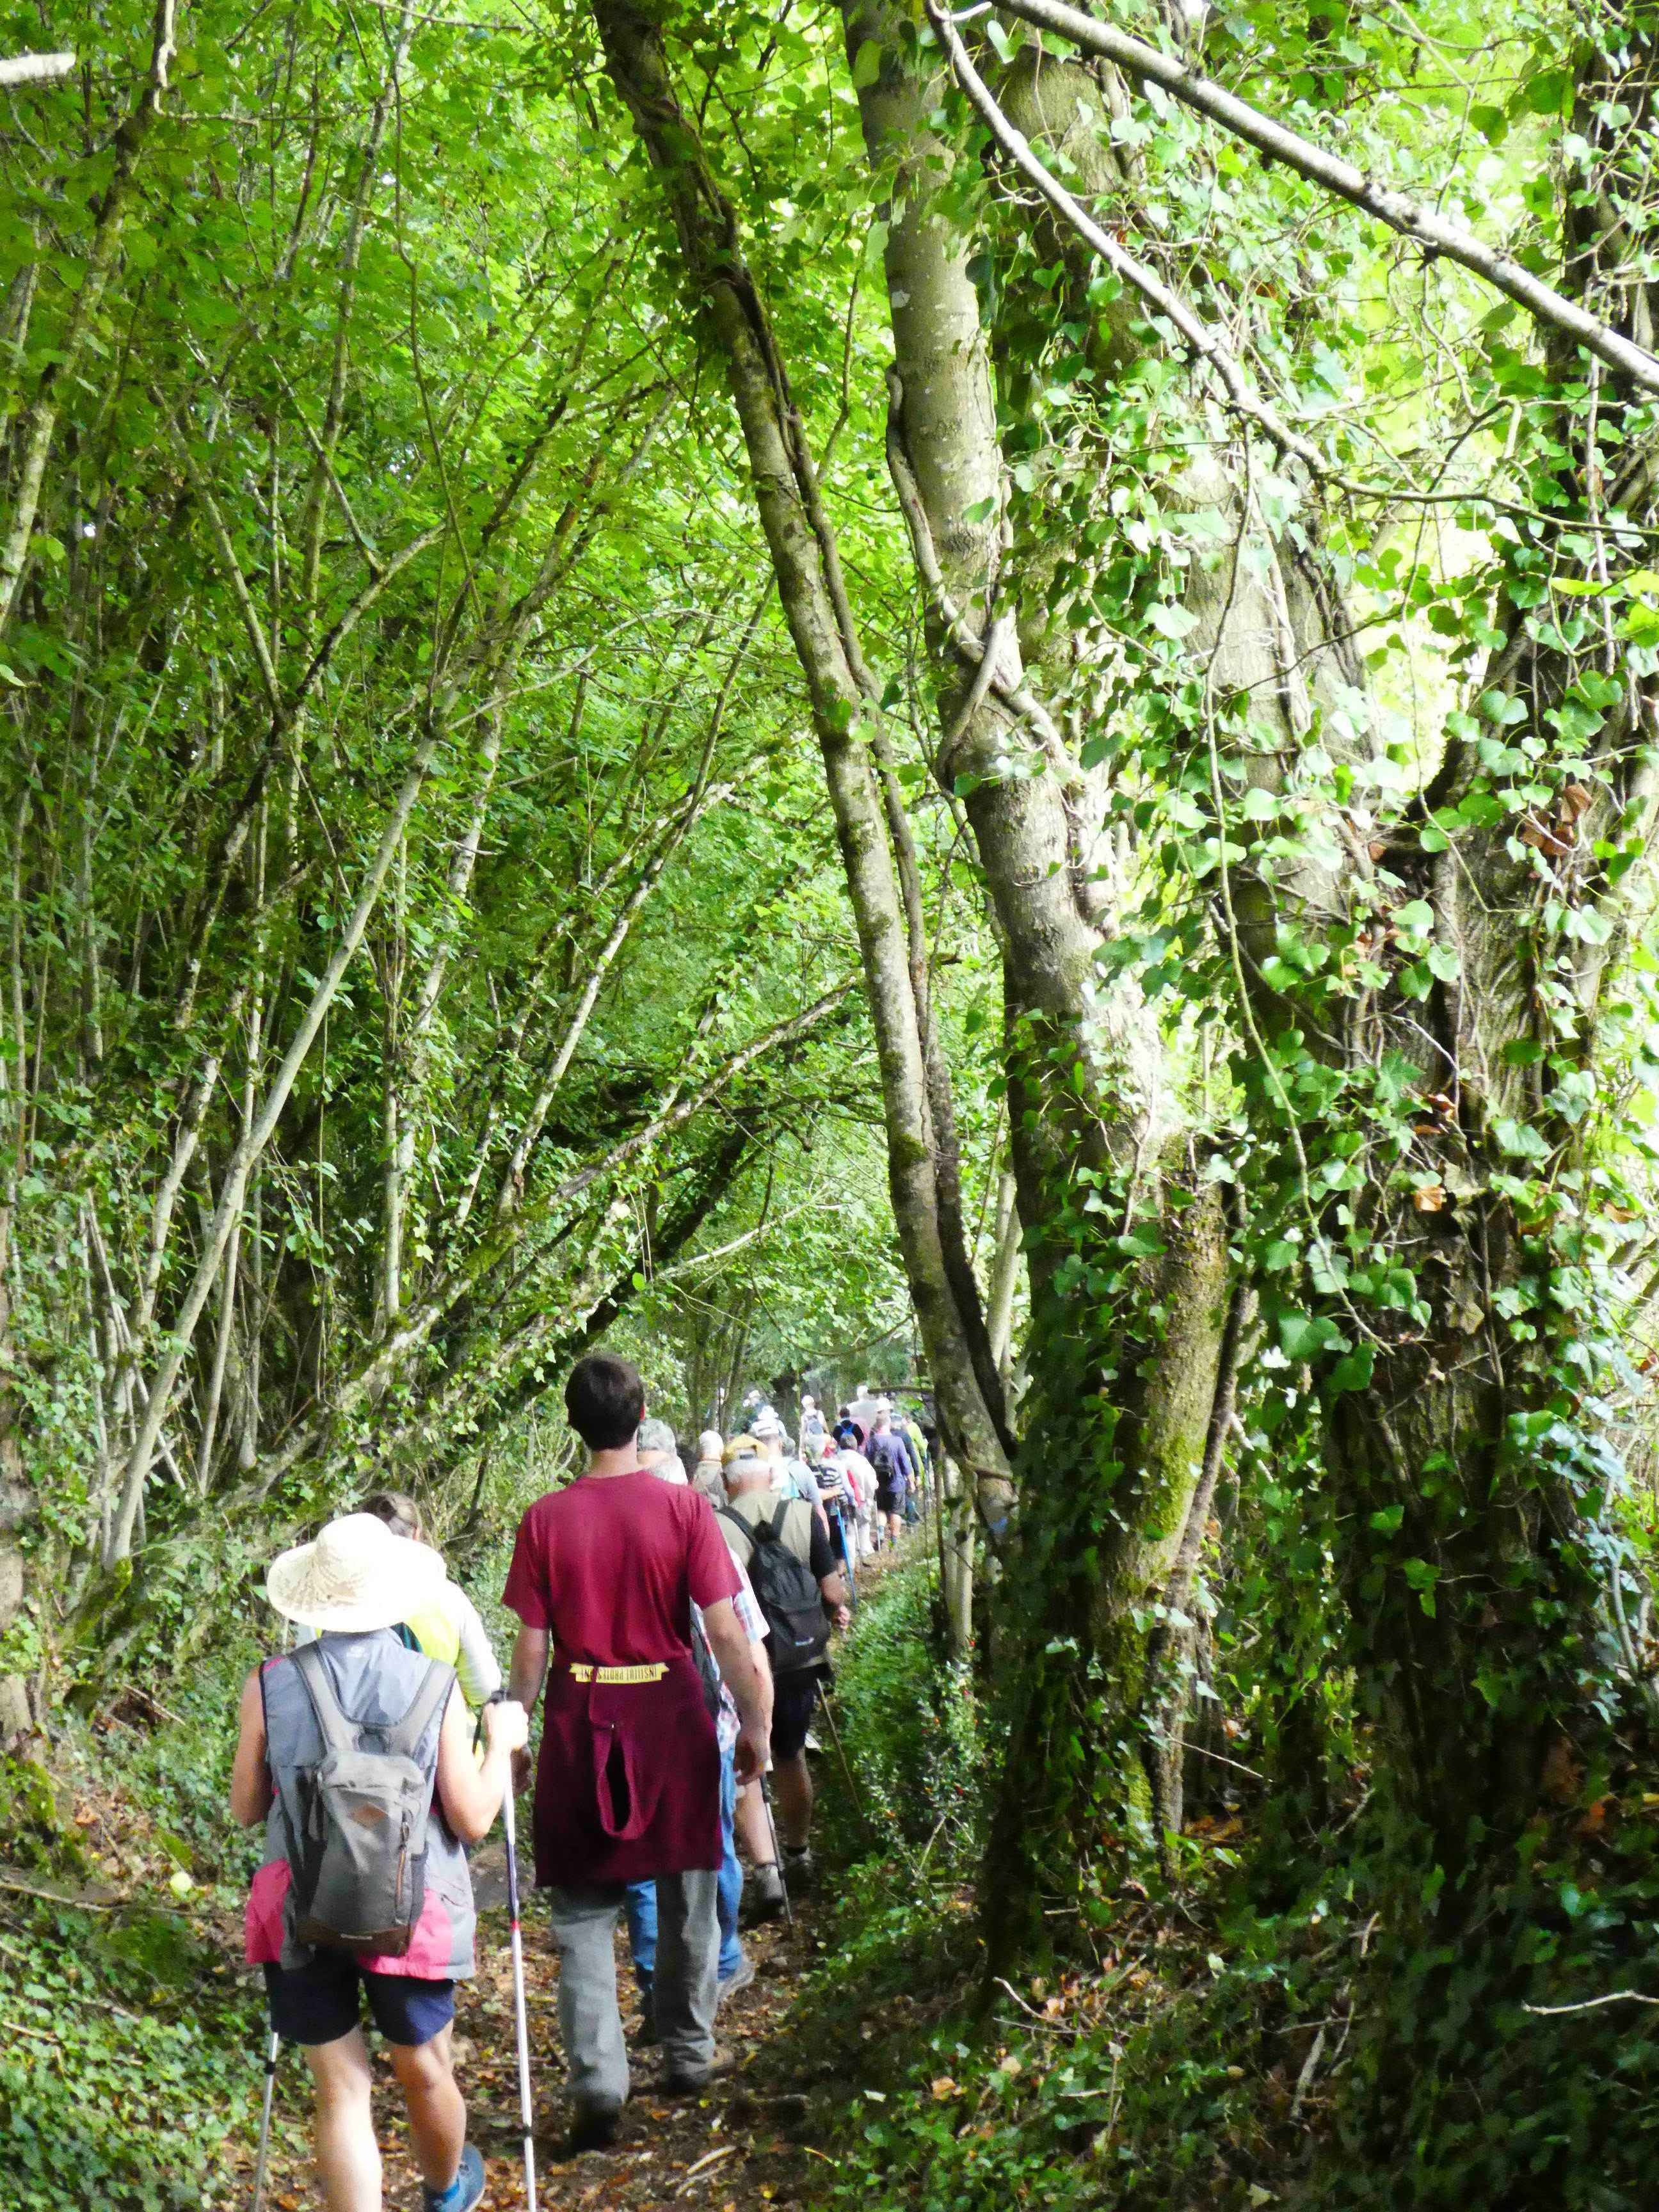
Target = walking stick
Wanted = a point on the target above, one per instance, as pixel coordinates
(847, 1560)
(834, 1736)
(777, 1854)
(264, 2118)
(272, 2051)
(525, 2122)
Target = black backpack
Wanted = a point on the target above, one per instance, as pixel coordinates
(787, 1591)
(884, 1457)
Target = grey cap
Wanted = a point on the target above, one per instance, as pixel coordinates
(654, 1435)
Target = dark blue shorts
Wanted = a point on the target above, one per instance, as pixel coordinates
(793, 1699)
(319, 2003)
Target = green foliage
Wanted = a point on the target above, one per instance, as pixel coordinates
(118, 2085)
(132, 2047)
(909, 1721)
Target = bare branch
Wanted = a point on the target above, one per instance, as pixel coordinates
(229, 1212)
(61, 369)
(34, 69)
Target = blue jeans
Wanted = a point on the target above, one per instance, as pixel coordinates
(640, 1898)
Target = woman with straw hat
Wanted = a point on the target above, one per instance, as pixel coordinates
(354, 1585)
(446, 1625)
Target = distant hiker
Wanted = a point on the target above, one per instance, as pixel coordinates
(657, 1452)
(785, 1547)
(708, 1475)
(812, 1424)
(791, 1477)
(860, 1478)
(736, 1969)
(627, 1784)
(911, 1430)
(747, 1463)
(917, 1442)
(355, 1720)
(890, 1456)
(446, 1626)
(847, 1432)
(838, 1486)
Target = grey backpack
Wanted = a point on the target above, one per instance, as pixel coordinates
(359, 1868)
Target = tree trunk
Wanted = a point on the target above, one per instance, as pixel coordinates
(806, 563)
(1118, 1406)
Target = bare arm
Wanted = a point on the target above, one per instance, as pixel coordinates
(528, 1670)
(833, 1589)
(475, 1667)
(732, 1656)
(471, 1796)
(250, 1777)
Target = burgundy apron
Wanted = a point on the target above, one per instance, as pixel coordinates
(627, 1784)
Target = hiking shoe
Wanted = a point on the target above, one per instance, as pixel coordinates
(741, 1976)
(800, 1869)
(465, 2190)
(647, 2030)
(687, 2081)
(763, 1900)
(595, 2127)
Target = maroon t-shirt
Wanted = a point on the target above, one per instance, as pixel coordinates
(611, 1565)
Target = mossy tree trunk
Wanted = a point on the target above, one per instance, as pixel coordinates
(731, 315)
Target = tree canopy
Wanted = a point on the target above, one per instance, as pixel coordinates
(864, 690)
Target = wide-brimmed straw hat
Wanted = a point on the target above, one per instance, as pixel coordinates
(355, 1576)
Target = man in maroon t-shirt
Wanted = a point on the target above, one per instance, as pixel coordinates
(604, 1575)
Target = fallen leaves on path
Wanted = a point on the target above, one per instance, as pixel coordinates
(733, 2149)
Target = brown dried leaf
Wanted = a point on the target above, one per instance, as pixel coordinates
(1562, 1770)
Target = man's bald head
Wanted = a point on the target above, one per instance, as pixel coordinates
(749, 1473)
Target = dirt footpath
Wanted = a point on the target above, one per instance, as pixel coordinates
(736, 2149)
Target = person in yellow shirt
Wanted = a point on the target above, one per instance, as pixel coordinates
(445, 1622)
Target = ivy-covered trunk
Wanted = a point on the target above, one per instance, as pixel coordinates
(1460, 1329)
(1126, 1237)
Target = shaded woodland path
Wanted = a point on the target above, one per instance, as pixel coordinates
(751, 2143)
(738, 2146)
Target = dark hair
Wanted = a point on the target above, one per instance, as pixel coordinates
(605, 1400)
(399, 1511)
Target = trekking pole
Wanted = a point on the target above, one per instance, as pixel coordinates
(264, 2118)
(835, 1737)
(847, 1558)
(521, 2024)
(777, 1854)
(272, 2051)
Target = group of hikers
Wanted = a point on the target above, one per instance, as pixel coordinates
(675, 1617)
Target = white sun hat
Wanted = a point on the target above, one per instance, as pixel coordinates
(357, 1575)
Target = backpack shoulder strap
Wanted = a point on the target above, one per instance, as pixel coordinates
(432, 1696)
(338, 1734)
(781, 1515)
(730, 1513)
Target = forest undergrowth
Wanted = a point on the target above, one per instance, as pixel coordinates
(1189, 2035)
(130, 2035)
